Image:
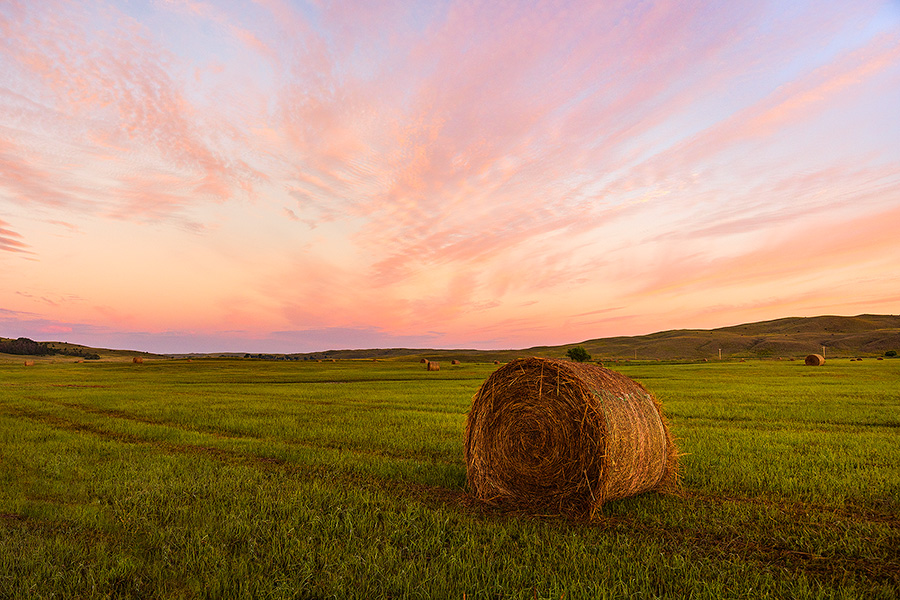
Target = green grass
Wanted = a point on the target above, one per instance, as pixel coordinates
(251, 479)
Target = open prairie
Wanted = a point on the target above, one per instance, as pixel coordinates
(253, 479)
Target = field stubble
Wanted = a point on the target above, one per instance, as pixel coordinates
(233, 478)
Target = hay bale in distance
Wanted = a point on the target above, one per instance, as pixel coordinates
(496, 362)
(433, 366)
(29, 363)
(560, 436)
(424, 360)
(137, 360)
(454, 362)
(815, 360)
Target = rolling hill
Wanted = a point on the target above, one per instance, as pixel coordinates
(862, 335)
(791, 337)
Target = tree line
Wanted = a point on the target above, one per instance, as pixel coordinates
(30, 347)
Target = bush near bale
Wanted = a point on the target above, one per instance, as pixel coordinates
(578, 354)
(891, 353)
(557, 436)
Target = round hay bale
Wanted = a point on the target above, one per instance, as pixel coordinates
(554, 435)
(137, 360)
(433, 366)
(496, 362)
(815, 360)
(454, 362)
(424, 360)
(29, 363)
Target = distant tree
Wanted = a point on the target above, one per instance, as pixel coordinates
(891, 353)
(26, 346)
(578, 354)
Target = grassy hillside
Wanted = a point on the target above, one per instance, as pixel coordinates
(791, 337)
(863, 335)
(68, 350)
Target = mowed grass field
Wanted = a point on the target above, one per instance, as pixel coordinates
(255, 479)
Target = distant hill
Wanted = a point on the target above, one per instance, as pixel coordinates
(791, 337)
(862, 335)
(12, 350)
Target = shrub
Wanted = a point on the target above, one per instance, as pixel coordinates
(578, 354)
(891, 353)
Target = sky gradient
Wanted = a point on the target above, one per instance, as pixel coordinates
(286, 176)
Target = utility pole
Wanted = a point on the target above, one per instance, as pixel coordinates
(823, 351)
(720, 354)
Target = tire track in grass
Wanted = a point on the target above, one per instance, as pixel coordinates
(185, 448)
(799, 509)
(678, 540)
(117, 414)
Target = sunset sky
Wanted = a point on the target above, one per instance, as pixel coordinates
(290, 176)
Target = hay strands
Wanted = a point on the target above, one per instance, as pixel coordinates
(554, 435)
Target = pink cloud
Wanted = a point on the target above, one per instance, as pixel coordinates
(28, 183)
(10, 241)
(471, 168)
(819, 246)
(128, 90)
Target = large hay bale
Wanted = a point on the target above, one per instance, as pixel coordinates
(554, 435)
(29, 363)
(137, 360)
(433, 366)
(815, 360)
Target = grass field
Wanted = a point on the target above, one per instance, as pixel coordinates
(258, 479)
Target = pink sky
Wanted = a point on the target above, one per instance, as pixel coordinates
(281, 176)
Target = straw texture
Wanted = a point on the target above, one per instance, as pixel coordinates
(559, 436)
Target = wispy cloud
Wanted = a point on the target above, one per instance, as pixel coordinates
(10, 241)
